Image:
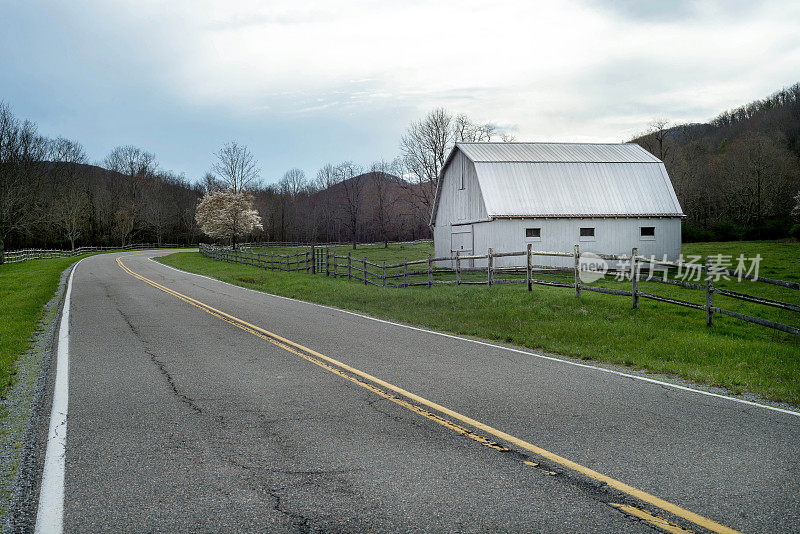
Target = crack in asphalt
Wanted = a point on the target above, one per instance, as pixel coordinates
(181, 397)
(158, 363)
(298, 520)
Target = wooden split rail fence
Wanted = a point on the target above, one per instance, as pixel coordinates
(322, 260)
(302, 261)
(16, 256)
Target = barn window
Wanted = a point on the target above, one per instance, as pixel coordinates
(461, 184)
(647, 232)
(587, 234)
(533, 233)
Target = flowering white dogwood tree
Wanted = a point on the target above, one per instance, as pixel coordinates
(225, 214)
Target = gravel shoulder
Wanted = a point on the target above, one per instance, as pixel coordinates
(24, 415)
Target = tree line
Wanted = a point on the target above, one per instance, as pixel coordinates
(738, 176)
(52, 197)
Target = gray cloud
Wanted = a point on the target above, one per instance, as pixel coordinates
(181, 81)
(673, 10)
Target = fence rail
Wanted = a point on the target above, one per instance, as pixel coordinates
(321, 260)
(266, 244)
(16, 256)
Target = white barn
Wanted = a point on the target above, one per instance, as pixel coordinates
(607, 198)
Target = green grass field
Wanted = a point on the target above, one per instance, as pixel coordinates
(25, 288)
(659, 337)
(394, 253)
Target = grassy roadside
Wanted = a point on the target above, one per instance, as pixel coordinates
(25, 288)
(659, 337)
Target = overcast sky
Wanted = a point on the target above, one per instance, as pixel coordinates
(306, 83)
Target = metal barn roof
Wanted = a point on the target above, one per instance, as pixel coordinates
(570, 180)
(557, 152)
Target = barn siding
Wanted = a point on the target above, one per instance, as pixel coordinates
(612, 236)
(457, 206)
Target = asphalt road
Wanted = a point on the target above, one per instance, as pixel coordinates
(181, 421)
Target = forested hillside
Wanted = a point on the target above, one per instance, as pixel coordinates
(51, 197)
(738, 176)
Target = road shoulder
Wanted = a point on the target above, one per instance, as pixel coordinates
(25, 416)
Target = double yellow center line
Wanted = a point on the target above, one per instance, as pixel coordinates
(371, 383)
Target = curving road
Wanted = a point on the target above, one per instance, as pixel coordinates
(199, 406)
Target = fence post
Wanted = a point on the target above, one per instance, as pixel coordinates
(349, 267)
(384, 274)
(405, 272)
(327, 263)
(489, 265)
(430, 271)
(365, 270)
(308, 259)
(528, 273)
(635, 277)
(313, 259)
(709, 294)
(458, 267)
(335, 265)
(577, 255)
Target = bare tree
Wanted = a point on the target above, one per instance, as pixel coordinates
(124, 223)
(384, 198)
(351, 181)
(71, 206)
(658, 129)
(236, 167)
(327, 177)
(209, 183)
(290, 187)
(22, 150)
(131, 161)
(70, 213)
(161, 209)
(293, 182)
(426, 145)
(467, 130)
(138, 166)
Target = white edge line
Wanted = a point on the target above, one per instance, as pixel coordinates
(511, 349)
(50, 514)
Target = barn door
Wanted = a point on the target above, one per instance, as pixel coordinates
(461, 242)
